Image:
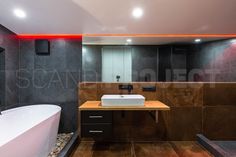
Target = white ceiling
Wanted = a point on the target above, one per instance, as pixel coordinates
(115, 16)
(141, 40)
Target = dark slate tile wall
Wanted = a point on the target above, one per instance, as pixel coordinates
(216, 61)
(52, 78)
(2, 76)
(92, 63)
(144, 63)
(164, 61)
(9, 66)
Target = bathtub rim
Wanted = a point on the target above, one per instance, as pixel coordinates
(30, 105)
(31, 127)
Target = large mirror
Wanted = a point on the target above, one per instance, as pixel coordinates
(153, 59)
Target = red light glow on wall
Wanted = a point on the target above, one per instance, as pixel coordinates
(79, 36)
(50, 36)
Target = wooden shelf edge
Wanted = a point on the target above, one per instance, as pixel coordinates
(149, 106)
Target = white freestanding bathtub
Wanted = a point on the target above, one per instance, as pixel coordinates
(29, 131)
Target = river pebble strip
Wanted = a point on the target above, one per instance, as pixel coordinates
(62, 140)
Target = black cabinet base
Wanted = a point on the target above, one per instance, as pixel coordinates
(96, 124)
(96, 130)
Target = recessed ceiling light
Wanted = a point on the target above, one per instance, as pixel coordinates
(129, 40)
(19, 13)
(137, 12)
(197, 40)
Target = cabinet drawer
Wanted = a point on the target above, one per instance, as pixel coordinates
(96, 130)
(96, 117)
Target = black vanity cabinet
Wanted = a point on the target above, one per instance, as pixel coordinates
(96, 124)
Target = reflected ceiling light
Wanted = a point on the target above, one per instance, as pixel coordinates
(129, 40)
(137, 12)
(84, 49)
(233, 41)
(19, 13)
(197, 40)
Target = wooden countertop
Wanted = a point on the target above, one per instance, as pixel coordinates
(149, 105)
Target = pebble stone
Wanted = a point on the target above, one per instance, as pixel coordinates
(62, 140)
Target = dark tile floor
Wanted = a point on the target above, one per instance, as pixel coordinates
(141, 149)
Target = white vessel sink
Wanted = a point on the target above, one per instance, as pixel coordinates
(123, 100)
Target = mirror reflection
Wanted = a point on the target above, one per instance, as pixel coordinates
(152, 59)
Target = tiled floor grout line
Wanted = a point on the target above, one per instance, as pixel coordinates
(133, 148)
(174, 148)
(133, 154)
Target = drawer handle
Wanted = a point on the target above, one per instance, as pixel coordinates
(95, 131)
(92, 117)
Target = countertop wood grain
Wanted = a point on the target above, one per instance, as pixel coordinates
(148, 105)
